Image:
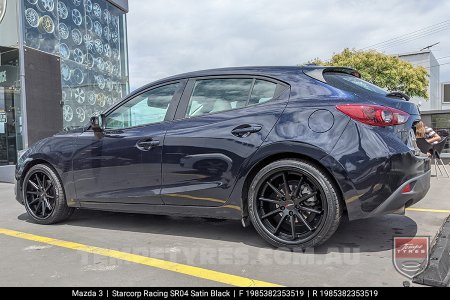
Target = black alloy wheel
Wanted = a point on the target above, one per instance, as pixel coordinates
(293, 204)
(43, 196)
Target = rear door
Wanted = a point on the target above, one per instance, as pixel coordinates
(220, 123)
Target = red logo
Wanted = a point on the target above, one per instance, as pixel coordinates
(410, 255)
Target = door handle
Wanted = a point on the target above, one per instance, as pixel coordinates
(146, 145)
(246, 129)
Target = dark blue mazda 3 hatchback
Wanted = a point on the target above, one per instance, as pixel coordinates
(291, 150)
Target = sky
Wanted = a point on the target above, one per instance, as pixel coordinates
(168, 37)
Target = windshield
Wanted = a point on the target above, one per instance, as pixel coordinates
(351, 83)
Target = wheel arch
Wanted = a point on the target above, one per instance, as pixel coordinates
(302, 152)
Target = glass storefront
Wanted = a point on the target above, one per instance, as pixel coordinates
(10, 108)
(90, 38)
(441, 124)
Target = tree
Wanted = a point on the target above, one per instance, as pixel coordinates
(386, 71)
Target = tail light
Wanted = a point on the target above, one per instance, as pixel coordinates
(374, 115)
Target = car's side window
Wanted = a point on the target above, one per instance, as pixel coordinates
(216, 95)
(146, 108)
(263, 91)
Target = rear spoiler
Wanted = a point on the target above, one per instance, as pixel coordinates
(317, 72)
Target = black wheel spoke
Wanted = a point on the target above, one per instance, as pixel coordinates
(304, 198)
(34, 185)
(271, 213)
(42, 209)
(33, 201)
(303, 220)
(277, 229)
(269, 200)
(40, 194)
(297, 189)
(39, 183)
(293, 227)
(277, 191)
(287, 193)
(312, 210)
(48, 204)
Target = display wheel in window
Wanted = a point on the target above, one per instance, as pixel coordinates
(88, 23)
(101, 100)
(63, 31)
(63, 12)
(64, 51)
(77, 17)
(77, 38)
(98, 28)
(65, 72)
(76, 2)
(109, 85)
(98, 46)
(109, 101)
(91, 98)
(89, 112)
(108, 67)
(90, 60)
(78, 77)
(97, 10)
(107, 50)
(107, 33)
(32, 17)
(78, 56)
(89, 41)
(88, 6)
(101, 83)
(32, 1)
(32, 39)
(46, 24)
(79, 95)
(99, 63)
(46, 5)
(115, 37)
(67, 113)
(81, 114)
(106, 16)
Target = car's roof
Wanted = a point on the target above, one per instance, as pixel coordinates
(283, 73)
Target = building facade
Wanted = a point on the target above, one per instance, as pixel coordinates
(61, 61)
(436, 110)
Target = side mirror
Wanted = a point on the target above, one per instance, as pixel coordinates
(98, 123)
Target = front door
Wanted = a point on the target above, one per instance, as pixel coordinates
(221, 123)
(123, 163)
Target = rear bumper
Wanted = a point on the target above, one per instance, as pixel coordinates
(419, 187)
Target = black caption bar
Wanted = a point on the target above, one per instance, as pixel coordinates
(222, 293)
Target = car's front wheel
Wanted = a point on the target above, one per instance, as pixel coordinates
(44, 197)
(293, 204)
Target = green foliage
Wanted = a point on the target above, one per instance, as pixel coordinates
(386, 71)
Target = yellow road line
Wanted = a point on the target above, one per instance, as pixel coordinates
(144, 260)
(446, 211)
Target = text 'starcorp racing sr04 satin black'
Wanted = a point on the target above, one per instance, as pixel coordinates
(290, 149)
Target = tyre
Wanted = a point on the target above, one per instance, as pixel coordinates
(44, 197)
(293, 204)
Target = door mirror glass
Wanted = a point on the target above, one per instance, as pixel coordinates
(98, 123)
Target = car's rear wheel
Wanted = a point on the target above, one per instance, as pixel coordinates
(293, 204)
(44, 197)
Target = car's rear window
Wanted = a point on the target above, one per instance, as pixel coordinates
(352, 83)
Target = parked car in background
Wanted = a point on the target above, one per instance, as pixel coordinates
(291, 150)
